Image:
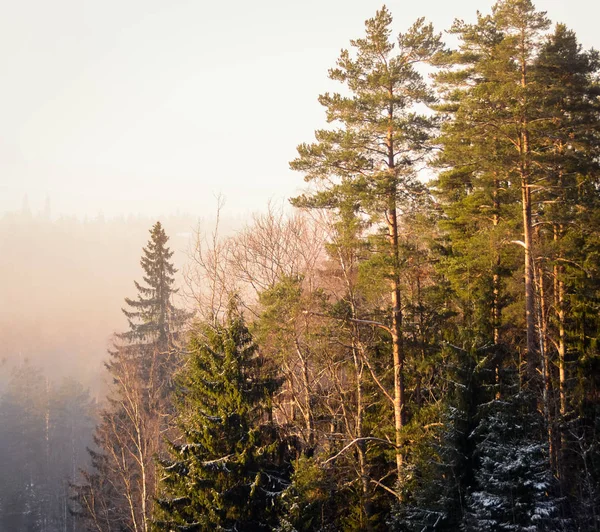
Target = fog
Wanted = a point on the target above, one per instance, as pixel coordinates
(62, 286)
(63, 282)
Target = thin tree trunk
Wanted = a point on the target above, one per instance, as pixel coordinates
(358, 353)
(306, 387)
(496, 277)
(546, 369)
(397, 343)
(361, 445)
(496, 312)
(531, 359)
(559, 298)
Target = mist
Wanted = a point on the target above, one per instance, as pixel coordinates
(62, 287)
(63, 283)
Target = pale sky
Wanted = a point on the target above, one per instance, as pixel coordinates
(154, 106)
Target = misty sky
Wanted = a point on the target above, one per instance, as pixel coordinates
(154, 106)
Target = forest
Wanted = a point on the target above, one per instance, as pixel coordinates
(413, 345)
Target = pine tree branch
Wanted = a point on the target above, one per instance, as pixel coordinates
(354, 442)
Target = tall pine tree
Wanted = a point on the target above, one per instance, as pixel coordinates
(370, 160)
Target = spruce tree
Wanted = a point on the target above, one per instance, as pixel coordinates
(120, 490)
(513, 483)
(434, 496)
(152, 316)
(226, 472)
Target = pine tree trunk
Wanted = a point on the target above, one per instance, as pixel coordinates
(496, 277)
(397, 344)
(496, 310)
(531, 359)
(559, 303)
(396, 329)
(546, 368)
(524, 171)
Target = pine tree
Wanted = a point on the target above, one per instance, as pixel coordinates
(568, 213)
(524, 115)
(371, 159)
(478, 203)
(493, 93)
(227, 472)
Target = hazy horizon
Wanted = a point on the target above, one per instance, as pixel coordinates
(119, 115)
(149, 108)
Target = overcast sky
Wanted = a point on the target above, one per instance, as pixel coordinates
(154, 106)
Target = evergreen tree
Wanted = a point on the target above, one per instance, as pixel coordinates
(437, 484)
(479, 205)
(227, 472)
(313, 501)
(152, 316)
(370, 160)
(568, 220)
(524, 115)
(514, 485)
(495, 98)
(120, 490)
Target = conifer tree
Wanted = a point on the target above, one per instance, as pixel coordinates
(119, 492)
(513, 483)
(152, 316)
(474, 192)
(569, 207)
(492, 92)
(524, 115)
(370, 160)
(435, 494)
(227, 471)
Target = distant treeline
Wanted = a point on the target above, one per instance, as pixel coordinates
(45, 429)
(62, 283)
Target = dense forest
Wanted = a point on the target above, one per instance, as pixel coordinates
(413, 347)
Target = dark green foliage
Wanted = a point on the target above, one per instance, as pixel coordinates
(438, 482)
(229, 469)
(513, 483)
(152, 316)
(312, 501)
